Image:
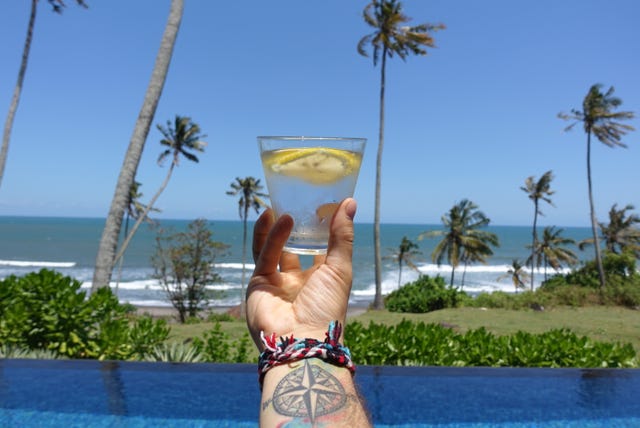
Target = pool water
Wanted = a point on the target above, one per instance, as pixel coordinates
(40, 393)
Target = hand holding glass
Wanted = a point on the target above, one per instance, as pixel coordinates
(307, 177)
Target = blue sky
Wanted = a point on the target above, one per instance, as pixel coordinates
(473, 119)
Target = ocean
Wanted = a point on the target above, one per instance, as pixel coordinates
(69, 245)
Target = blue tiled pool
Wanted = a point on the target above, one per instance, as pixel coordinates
(38, 393)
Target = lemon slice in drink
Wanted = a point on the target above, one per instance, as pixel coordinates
(316, 165)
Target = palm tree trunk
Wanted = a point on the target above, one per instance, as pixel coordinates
(594, 221)
(244, 261)
(121, 261)
(105, 258)
(399, 273)
(377, 302)
(534, 240)
(453, 270)
(144, 214)
(8, 125)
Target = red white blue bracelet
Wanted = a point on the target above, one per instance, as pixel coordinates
(290, 350)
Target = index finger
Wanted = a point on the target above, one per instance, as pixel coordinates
(260, 232)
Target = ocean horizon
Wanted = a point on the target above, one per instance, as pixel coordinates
(70, 244)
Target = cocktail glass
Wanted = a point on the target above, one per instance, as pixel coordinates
(307, 177)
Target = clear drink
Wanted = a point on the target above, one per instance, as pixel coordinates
(307, 177)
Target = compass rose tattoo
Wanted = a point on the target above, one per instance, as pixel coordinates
(308, 392)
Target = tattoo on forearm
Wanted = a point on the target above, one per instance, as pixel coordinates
(308, 392)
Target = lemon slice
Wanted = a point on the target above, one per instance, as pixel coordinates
(317, 165)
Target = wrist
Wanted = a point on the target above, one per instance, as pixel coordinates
(287, 350)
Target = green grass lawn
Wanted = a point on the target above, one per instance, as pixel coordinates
(601, 323)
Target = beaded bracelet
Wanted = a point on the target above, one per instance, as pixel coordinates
(290, 350)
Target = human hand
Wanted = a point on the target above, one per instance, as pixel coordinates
(292, 301)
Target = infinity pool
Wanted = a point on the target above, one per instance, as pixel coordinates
(39, 393)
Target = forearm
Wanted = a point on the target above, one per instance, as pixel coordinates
(311, 392)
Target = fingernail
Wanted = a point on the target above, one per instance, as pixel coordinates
(351, 208)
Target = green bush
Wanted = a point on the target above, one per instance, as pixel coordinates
(48, 311)
(426, 294)
(581, 286)
(410, 343)
(504, 300)
(215, 346)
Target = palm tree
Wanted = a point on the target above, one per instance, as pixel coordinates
(250, 193)
(105, 259)
(135, 210)
(405, 253)
(390, 37)
(478, 253)
(57, 5)
(599, 119)
(620, 235)
(537, 190)
(517, 274)
(180, 138)
(462, 239)
(552, 250)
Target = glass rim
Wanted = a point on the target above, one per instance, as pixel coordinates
(309, 138)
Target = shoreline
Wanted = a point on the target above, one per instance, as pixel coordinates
(170, 311)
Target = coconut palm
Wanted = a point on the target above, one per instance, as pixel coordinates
(537, 191)
(599, 119)
(621, 234)
(250, 193)
(390, 37)
(181, 137)
(106, 257)
(552, 251)
(405, 253)
(135, 210)
(462, 239)
(517, 274)
(479, 253)
(57, 5)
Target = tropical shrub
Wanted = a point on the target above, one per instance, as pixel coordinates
(622, 283)
(425, 294)
(418, 343)
(174, 353)
(504, 300)
(216, 346)
(48, 311)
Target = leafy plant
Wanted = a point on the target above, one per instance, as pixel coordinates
(48, 311)
(411, 343)
(215, 346)
(423, 295)
(174, 353)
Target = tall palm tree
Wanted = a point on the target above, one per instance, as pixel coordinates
(621, 234)
(598, 118)
(462, 238)
(250, 193)
(105, 259)
(537, 191)
(390, 37)
(57, 5)
(517, 274)
(405, 253)
(552, 251)
(180, 138)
